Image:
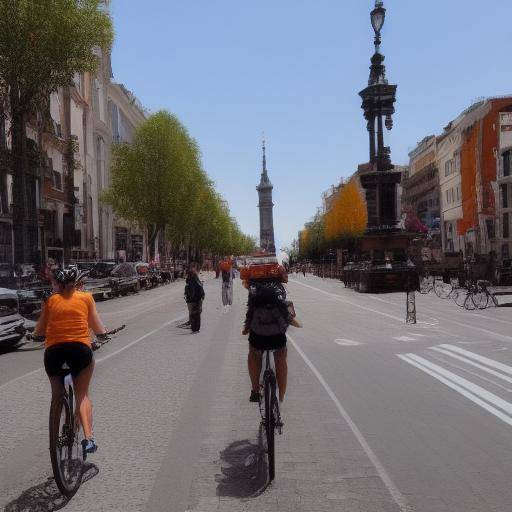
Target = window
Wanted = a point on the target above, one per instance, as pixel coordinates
(457, 161)
(96, 95)
(450, 167)
(506, 226)
(507, 163)
(490, 228)
(3, 139)
(458, 193)
(57, 180)
(100, 162)
(504, 196)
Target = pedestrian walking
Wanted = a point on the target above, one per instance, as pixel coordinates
(227, 274)
(194, 296)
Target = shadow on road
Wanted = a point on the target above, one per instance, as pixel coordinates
(46, 497)
(244, 469)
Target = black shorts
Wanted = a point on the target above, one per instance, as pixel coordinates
(267, 342)
(75, 354)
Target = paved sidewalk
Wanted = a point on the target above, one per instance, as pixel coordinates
(320, 466)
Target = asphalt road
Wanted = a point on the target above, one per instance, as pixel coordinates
(380, 416)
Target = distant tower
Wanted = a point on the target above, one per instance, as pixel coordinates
(265, 205)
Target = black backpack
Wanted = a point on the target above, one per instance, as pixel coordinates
(268, 309)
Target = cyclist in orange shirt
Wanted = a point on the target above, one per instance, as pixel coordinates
(66, 320)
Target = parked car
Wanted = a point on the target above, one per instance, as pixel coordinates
(12, 324)
(124, 279)
(98, 281)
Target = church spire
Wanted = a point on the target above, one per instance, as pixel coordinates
(264, 174)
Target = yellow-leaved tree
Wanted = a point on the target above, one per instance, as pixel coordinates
(348, 217)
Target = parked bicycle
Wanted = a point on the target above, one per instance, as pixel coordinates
(476, 295)
(434, 283)
(66, 451)
(269, 410)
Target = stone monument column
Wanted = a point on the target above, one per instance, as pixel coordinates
(265, 206)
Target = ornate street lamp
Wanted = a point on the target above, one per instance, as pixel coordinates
(379, 97)
(379, 106)
(378, 16)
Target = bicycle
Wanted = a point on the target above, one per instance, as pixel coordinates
(66, 451)
(485, 296)
(430, 282)
(472, 296)
(269, 410)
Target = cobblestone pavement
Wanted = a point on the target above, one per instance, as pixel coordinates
(379, 416)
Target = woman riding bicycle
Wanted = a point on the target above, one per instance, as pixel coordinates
(66, 320)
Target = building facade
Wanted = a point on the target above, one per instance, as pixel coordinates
(69, 144)
(128, 242)
(450, 187)
(503, 187)
(420, 190)
(482, 161)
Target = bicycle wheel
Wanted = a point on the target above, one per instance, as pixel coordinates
(270, 394)
(480, 299)
(443, 290)
(459, 296)
(65, 449)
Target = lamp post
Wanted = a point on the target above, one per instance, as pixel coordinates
(378, 98)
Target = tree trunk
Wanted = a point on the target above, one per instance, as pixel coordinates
(19, 184)
(152, 234)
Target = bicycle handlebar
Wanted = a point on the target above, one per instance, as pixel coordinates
(102, 339)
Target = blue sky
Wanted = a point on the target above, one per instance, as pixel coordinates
(231, 69)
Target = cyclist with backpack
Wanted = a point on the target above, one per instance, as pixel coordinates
(267, 320)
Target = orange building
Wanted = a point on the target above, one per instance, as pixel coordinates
(479, 165)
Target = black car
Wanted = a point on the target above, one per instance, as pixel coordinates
(124, 279)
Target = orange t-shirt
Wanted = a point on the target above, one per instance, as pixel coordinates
(68, 318)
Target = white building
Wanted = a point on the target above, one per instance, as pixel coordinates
(126, 114)
(448, 162)
(504, 187)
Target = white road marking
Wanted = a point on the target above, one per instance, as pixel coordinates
(100, 360)
(466, 370)
(345, 301)
(472, 363)
(464, 383)
(470, 396)
(20, 377)
(399, 498)
(404, 338)
(493, 333)
(134, 342)
(476, 357)
(346, 343)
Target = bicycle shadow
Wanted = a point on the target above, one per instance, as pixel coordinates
(244, 469)
(46, 497)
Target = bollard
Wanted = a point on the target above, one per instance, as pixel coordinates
(411, 307)
(411, 302)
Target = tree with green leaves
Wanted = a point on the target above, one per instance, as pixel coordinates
(43, 43)
(158, 182)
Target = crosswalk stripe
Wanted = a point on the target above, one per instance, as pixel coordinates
(464, 392)
(476, 357)
(472, 363)
(461, 381)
